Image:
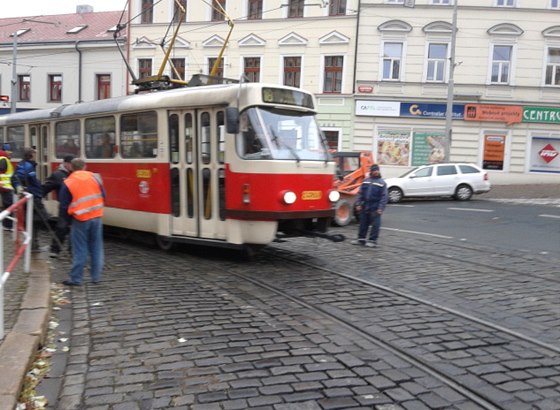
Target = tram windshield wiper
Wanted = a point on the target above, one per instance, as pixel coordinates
(281, 144)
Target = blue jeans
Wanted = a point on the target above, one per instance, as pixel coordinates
(368, 218)
(87, 239)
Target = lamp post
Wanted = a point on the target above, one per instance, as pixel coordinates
(451, 84)
(14, 74)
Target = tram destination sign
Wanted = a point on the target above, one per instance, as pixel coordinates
(288, 97)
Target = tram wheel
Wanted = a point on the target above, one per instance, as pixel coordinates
(165, 243)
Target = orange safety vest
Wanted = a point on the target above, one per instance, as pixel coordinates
(87, 197)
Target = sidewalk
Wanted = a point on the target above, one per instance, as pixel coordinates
(26, 316)
(28, 303)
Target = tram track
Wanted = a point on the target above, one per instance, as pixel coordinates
(461, 350)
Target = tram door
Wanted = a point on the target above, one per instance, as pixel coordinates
(39, 136)
(197, 173)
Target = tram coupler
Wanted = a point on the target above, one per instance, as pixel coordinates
(337, 237)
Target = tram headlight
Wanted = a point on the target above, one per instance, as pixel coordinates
(334, 196)
(288, 197)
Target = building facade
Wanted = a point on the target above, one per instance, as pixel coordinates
(307, 44)
(505, 90)
(60, 59)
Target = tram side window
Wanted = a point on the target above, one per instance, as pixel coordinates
(139, 135)
(67, 138)
(189, 137)
(174, 138)
(205, 142)
(221, 132)
(100, 137)
(15, 138)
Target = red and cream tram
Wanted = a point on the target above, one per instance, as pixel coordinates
(228, 165)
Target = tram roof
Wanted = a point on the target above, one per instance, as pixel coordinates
(175, 98)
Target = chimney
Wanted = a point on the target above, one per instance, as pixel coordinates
(84, 8)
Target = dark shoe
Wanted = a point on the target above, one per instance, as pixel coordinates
(70, 283)
(53, 255)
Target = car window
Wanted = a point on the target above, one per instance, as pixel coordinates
(468, 169)
(424, 172)
(446, 170)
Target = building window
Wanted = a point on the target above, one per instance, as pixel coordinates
(442, 2)
(177, 11)
(144, 67)
(103, 86)
(24, 87)
(331, 138)
(55, 88)
(178, 68)
(437, 62)
(392, 58)
(337, 7)
(555, 4)
(295, 8)
(217, 7)
(219, 70)
(553, 67)
(255, 10)
(333, 74)
(292, 71)
(505, 3)
(252, 69)
(501, 64)
(147, 12)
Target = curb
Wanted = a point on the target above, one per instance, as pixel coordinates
(21, 344)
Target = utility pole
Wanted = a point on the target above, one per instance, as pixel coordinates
(14, 74)
(451, 84)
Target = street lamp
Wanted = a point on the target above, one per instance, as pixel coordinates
(450, 83)
(16, 34)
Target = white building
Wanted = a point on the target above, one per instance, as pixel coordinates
(506, 113)
(60, 59)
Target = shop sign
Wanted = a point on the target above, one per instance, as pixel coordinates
(422, 110)
(548, 153)
(509, 114)
(544, 154)
(378, 108)
(541, 114)
(365, 89)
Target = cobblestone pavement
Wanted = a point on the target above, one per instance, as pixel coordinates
(177, 331)
(123, 354)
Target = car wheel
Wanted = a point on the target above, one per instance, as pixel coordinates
(343, 212)
(463, 192)
(395, 195)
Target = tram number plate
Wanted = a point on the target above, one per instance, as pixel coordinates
(311, 195)
(143, 173)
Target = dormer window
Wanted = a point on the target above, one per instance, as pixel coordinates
(76, 29)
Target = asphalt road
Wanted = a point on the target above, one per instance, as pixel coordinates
(505, 225)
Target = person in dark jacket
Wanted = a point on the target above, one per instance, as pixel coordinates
(371, 202)
(25, 179)
(54, 183)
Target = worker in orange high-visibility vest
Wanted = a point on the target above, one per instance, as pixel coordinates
(82, 199)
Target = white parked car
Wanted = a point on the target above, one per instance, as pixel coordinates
(459, 181)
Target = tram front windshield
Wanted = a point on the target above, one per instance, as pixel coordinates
(269, 133)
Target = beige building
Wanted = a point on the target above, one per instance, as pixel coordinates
(307, 44)
(506, 91)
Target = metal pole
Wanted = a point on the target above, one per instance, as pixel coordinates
(14, 74)
(451, 84)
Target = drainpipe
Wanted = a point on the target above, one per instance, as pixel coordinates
(356, 47)
(79, 71)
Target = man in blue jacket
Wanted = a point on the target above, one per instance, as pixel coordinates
(371, 202)
(25, 179)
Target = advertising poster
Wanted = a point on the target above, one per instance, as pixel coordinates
(428, 147)
(393, 147)
(545, 155)
(494, 152)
